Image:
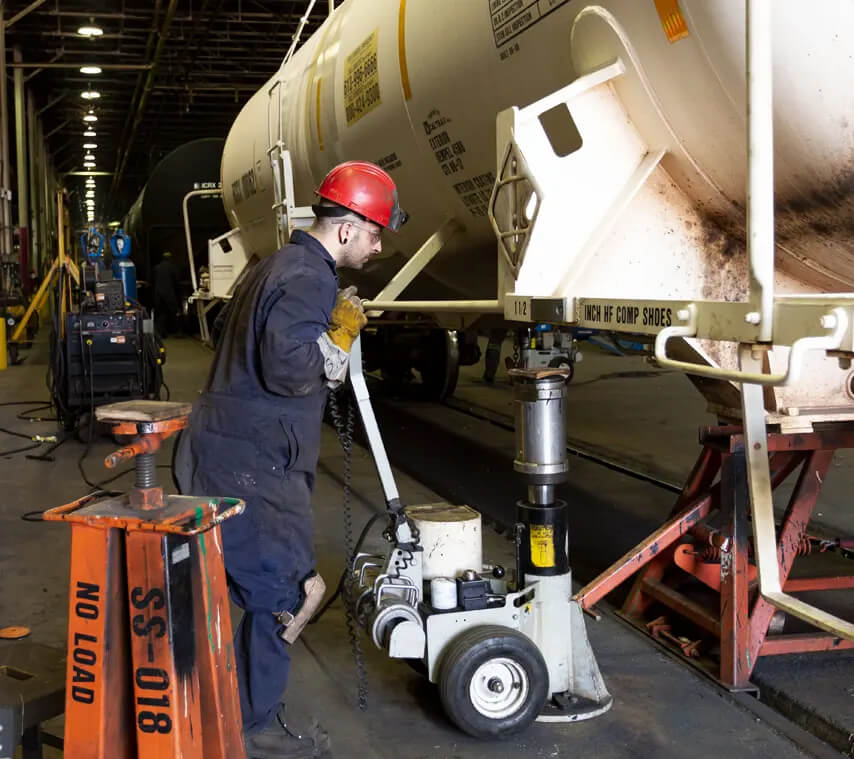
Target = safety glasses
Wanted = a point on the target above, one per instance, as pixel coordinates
(374, 234)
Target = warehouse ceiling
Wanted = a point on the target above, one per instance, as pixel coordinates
(170, 71)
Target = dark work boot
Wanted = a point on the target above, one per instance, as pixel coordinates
(282, 739)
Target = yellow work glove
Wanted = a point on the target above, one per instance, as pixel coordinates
(348, 318)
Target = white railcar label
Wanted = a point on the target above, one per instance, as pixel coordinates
(512, 17)
(622, 315)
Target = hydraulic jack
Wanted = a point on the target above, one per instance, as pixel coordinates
(151, 668)
(502, 657)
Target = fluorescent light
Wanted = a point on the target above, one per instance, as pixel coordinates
(90, 30)
(90, 95)
(90, 133)
(90, 117)
(89, 145)
(88, 157)
(90, 193)
(90, 182)
(89, 165)
(90, 69)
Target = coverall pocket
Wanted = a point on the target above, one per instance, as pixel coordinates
(292, 444)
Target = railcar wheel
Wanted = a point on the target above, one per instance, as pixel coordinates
(440, 372)
(493, 682)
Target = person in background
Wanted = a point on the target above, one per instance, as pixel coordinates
(166, 296)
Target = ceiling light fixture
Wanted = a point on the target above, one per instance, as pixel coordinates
(90, 30)
(88, 165)
(90, 133)
(88, 157)
(90, 145)
(90, 95)
(90, 69)
(90, 117)
(90, 193)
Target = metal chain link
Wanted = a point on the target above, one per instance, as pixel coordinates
(344, 426)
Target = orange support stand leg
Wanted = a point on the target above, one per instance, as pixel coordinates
(705, 547)
(98, 714)
(151, 669)
(165, 675)
(223, 736)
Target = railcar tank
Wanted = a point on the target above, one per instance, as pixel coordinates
(416, 87)
(155, 221)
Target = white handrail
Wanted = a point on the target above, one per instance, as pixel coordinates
(837, 320)
(194, 194)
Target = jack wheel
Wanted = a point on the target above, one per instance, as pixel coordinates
(561, 362)
(493, 682)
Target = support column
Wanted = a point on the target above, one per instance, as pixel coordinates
(32, 183)
(5, 174)
(21, 170)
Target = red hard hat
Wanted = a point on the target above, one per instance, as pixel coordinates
(365, 189)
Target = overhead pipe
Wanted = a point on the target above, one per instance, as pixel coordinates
(149, 47)
(51, 103)
(122, 158)
(56, 129)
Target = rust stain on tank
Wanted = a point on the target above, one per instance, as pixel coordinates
(725, 255)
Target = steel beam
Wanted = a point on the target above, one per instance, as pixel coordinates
(105, 66)
(29, 9)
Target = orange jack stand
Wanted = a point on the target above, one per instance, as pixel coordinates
(151, 668)
(694, 580)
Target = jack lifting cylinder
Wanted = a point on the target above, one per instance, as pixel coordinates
(576, 688)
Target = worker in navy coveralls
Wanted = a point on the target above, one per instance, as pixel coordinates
(255, 433)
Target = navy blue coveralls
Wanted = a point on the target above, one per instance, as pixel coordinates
(255, 434)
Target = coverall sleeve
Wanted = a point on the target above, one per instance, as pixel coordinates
(291, 360)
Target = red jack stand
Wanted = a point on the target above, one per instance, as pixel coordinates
(705, 545)
(150, 663)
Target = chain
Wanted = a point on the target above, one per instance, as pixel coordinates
(344, 425)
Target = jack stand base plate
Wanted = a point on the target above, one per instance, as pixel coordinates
(565, 707)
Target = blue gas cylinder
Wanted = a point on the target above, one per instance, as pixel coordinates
(123, 268)
(126, 271)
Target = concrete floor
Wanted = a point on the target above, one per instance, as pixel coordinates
(661, 708)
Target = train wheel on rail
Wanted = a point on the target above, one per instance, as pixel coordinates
(494, 681)
(441, 370)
